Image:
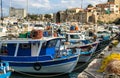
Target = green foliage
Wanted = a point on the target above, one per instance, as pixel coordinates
(117, 21)
(90, 5)
(47, 16)
(110, 22)
(100, 22)
(32, 17)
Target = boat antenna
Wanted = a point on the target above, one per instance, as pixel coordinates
(27, 11)
(1, 14)
(81, 14)
(10, 7)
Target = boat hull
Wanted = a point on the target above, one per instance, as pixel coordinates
(65, 65)
(84, 58)
(58, 68)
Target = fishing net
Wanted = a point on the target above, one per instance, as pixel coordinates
(111, 63)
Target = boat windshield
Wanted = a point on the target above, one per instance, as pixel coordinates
(51, 43)
(74, 37)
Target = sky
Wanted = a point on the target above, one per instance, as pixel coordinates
(46, 6)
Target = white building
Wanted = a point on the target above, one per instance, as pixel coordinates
(17, 12)
(114, 8)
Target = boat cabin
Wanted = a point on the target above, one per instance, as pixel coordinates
(31, 47)
(74, 36)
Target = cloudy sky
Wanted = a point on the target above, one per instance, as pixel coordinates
(46, 6)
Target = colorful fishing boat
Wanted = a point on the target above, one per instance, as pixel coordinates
(86, 46)
(38, 55)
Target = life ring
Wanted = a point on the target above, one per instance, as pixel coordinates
(37, 66)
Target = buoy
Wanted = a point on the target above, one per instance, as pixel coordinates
(76, 28)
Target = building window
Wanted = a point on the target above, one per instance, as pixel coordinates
(116, 11)
(117, 6)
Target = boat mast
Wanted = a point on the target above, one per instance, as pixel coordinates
(27, 11)
(81, 15)
(1, 14)
(10, 7)
(81, 8)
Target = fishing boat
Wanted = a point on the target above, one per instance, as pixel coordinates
(86, 46)
(87, 51)
(103, 44)
(38, 54)
(4, 70)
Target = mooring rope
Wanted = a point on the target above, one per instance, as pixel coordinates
(93, 76)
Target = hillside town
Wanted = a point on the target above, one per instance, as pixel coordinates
(101, 13)
(70, 43)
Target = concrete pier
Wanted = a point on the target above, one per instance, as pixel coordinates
(92, 70)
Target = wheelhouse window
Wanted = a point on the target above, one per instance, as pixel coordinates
(51, 43)
(25, 46)
(44, 45)
(74, 36)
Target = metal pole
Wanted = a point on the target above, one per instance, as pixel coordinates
(1, 14)
(27, 11)
(81, 3)
(81, 14)
(10, 7)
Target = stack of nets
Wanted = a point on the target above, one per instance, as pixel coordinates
(113, 67)
(111, 64)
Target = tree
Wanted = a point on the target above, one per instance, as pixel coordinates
(89, 6)
(47, 16)
(100, 22)
(32, 17)
(117, 21)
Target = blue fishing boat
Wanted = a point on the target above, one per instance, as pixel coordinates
(85, 46)
(4, 70)
(38, 55)
(85, 51)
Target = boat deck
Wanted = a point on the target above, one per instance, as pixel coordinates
(92, 70)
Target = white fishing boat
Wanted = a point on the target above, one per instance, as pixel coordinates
(38, 54)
